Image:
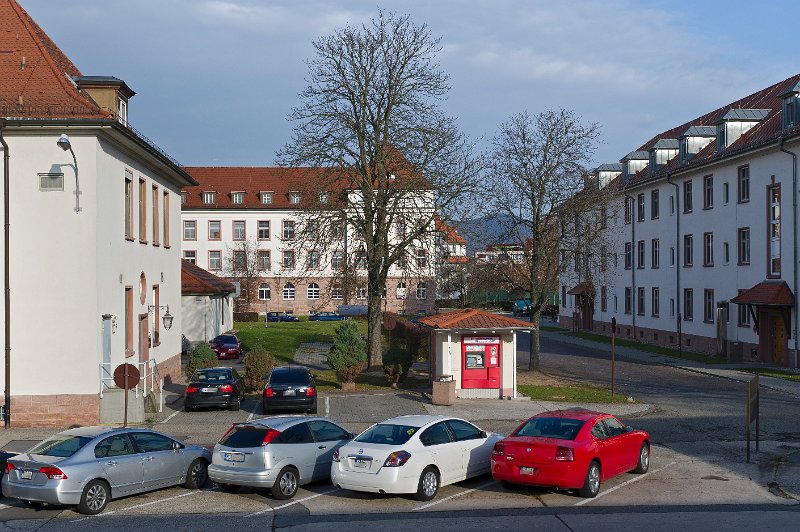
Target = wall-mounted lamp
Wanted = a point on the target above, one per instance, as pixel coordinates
(64, 143)
(167, 319)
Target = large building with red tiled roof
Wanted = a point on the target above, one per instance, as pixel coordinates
(93, 225)
(704, 252)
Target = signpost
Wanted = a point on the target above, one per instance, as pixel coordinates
(752, 412)
(613, 334)
(126, 376)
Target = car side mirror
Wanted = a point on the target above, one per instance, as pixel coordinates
(484, 435)
(177, 446)
(628, 429)
(352, 435)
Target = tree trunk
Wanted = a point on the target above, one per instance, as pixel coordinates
(533, 348)
(374, 328)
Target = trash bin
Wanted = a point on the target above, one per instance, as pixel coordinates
(444, 391)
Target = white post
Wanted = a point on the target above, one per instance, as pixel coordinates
(514, 365)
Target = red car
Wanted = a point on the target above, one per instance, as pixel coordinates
(570, 449)
(226, 346)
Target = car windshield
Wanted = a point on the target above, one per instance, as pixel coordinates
(226, 339)
(387, 434)
(551, 427)
(211, 375)
(61, 445)
(289, 377)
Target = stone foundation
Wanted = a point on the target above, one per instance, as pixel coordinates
(56, 411)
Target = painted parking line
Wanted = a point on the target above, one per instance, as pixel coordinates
(172, 415)
(327, 407)
(459, 494)
(615, 488)
(137, 506)
(270, 509)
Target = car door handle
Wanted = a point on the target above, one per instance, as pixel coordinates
(322, 447)
(111, 463)
(147, 459)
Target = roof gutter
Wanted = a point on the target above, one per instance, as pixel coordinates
(794, 248)
(677, 259)
(6, 277)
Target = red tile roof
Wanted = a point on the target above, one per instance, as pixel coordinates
(35, 75)
(766, 294)
(586, 288)
(470, 318)
(450, 233)
(457, 260)
(197, 281)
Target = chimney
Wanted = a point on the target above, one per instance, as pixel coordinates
(109, 93)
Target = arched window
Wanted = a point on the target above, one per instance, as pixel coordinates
(288, 291)
(264, 292)
(313, 291)
(401, 290)
(422, 291)
(361, 293)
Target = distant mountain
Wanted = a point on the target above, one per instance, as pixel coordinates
(481, 232)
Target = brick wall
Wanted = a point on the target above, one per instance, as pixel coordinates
(57, 411)
(170, 369)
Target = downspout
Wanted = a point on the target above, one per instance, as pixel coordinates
(6, 277)
(794, 247)
(677, 260)
(634, 252)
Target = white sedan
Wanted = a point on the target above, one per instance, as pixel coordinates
(413, 454)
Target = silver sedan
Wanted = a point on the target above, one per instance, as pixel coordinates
(89, 466)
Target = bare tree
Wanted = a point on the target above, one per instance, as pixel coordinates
(383, 157)
(539, 188)
(243, 264)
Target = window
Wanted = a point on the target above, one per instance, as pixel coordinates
(294, 198)
(422, 258)
(640, 301)
(327, 431)
(263, 229)
(743, 188)
(313, 260)
(183, 198)
(708, 249)
(688, 304)
(628, 301)
(655, 294)
(628, 209)
(288, 292)
(603, 258)
(628, 255)
(209, 197)
(603, 299)
(435, 435)
(464, 431)
(190, 256)
(238, 230)
(166, 219)
(156, 315)
(671, 205)
(708, 306)
(147, 442)
(214, 230)
(422, 291)
(156, 225)
(688, 244)
(774, 244)
(266, 198)
(128, 204)
(239, 261)
(237, 198)
(708, 192)
(336, 292)
(725, 193)
(214, 260)
(122, 111)
(401, 290)
(288, 260)
(189, 230)
(361, 292)
(563, 296)
(264, 293)
(323, 197)
(288, 229)
(655, 252)
(312, 292)
(312, 230)
(743, 315)
(264, 260)
(744, 245)
(671, 307)
(361, 260)
(337, 260)
(640, 254)
(128, 321)
(726, 253)
(640, 208)
(118, 445)
(142, 210)
(654, 205)
(672, 256)
(577, 262)
(603, 218)
(687, 196)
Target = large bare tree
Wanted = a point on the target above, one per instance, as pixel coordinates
(369, 124)
(546, 204)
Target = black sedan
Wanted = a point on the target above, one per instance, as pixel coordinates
(326, 316)
(281, 316)
(290, 388)
(214, 387)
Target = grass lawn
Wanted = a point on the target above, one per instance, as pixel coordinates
(552, 328)
(773, 372)
(641, 346)
(327, 382)
(578, 393)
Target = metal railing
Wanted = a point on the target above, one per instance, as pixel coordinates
(150, 381)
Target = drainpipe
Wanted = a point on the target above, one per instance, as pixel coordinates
(6, 276)
(677, 259)
(634, 253)
(794, 247)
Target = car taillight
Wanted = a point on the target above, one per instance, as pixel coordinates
(10, 467)
(499, 448)
(565, 454)
(309, 392)
(226, 388)
(53, 473)
(336, 455)
(191, 389)
(396, 459)
(269, 392)
(270, 435)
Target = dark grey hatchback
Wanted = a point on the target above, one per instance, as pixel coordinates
(290, 388)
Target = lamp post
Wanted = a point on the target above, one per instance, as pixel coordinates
(65, 144)
(167, 318)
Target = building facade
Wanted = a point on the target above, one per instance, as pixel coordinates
(703, 242)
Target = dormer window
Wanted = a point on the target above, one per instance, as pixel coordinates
(237, 198)
(209, 197)
(122, 111)
(294, 198)
(736, 123)
(266, 198)
(790, 110)
(323, 198)
(183, 198)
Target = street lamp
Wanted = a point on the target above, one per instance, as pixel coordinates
(64, 143)
(167, 318)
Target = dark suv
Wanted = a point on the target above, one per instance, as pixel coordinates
(290, 388)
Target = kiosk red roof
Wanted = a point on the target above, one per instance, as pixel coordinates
(197, 281)
(767, 294)
(470, 318)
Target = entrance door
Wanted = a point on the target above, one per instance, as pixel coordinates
(480, 359)
(778, 340)
(144, 339)
(587, 309)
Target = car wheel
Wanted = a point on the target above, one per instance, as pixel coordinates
(228, 488)
(313, 409)
(196, 475)
(94, 498)
(591, 484)
(644, 459)
(428, 485)
(286, 484)
(237, 405)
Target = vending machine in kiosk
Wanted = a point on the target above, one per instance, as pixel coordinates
(480, 358)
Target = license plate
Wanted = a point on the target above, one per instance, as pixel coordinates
(288, 392)
(528, 471)
(26, 475)
(233, 457)
(358, 462)
(208, 390)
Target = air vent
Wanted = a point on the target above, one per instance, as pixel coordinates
(51, 182)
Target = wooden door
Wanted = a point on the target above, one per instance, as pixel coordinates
(778, 340)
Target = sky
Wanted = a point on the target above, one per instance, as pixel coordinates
(216, 79)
